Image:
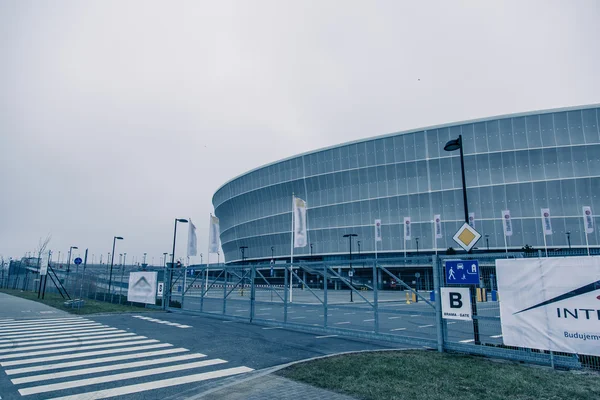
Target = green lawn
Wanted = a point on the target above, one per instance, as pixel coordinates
(90, 306)
(420, 375)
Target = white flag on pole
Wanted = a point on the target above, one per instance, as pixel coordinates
(192, 249)
(546, 223)
(437, 219)
(507, 223)
(213, 239)
(472, 220)
(378, 230)
(300, 235)
(588, 219)
(407, 228)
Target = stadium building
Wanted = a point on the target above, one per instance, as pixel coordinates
(521, 163)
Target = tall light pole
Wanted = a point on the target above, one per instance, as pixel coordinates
(487, 241)
(243, 250)
(69, 264)
(417, 240)
(183, 221)
(311, 249)
(350, 236)
(112, 259)
(144, 262)
(272, 252)
(569, 239)
(453, 145)
(165, 259)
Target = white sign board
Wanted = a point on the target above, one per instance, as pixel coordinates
(142, 287)
(456, 303)
(551, 303)
(161, 288)
(44, 264)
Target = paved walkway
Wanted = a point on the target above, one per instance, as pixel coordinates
(271, 387)
(16, 307)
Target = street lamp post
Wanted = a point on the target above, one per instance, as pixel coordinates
(417, 240)
(350, 236)
(122, 276)
(144, 262)
(487, 241)
(358, 244)
(569, 239)
(453, 145)
(112, 259)
(311, 249)
(69, 264)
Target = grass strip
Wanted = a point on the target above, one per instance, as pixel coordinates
(420, 375)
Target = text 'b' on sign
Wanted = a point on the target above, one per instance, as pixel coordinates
(456, 303)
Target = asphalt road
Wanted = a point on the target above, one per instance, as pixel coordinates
(51, 355)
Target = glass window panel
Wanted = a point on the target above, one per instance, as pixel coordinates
(561, 130)
(434, 174)
(593, 157)
(474, 199)
(456, 172)
(468, 137)
(425, 214)
(523, 172)
(411, 177)
(409, 146)
(370, 152)
(570, 198)
(580, 162)
(506, 134)
(361, 154)
(483, 169)
(399, 148)
(422, 178)
(394, 216)
(509, 163)
(381, 174)
(493, 135)
(363, 184)
(496, 172)
(498, 202)
(402, 210)
(565, 165)
(481, 145)
(352, 156)
(401, 178)
(575, 127)
(392, 185)
(372, 182)
(443, 138)
(347, 186)
(388, 144)
(513, 201)
(539, 198)
(530, 232)
(433, 145)
(536, 164)
(554, 198)
(585, 194)
(534, 134)
(420, 149)
(449, 206)
(436, 203)
(590, 126)
(379, 152)
(470, 171)
(519, 133)
(446, 173)
(547, 126)
(344, 161)
(551, 163)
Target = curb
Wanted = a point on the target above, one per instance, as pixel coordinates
(267, 371)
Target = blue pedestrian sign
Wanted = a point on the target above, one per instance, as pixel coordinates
(462, 272)
(77, 260)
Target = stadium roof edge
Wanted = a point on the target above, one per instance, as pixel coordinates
(385, 135)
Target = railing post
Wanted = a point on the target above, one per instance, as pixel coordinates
(202, 294)
(252, 291)
(439, 322)
(375, 299)
(325, 295)
(285, 296)
(225, 291)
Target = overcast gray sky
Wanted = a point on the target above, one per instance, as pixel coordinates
(118, 116)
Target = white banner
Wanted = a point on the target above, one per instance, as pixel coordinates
(588, 219)
(44, 264)
(550, 303)
(192, 249)
(407, 230)
(378, 230)
(546, 223)
(300, 235)
(456, 303)
(142, 287)
(507, 223)
(214, 232)
(437, 219)
(472, 220)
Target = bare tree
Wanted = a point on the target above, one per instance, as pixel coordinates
(42, 244)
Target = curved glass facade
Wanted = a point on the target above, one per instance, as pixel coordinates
(522, 162)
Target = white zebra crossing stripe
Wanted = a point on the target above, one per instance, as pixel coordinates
(48, 329)
(77, 348)
(117, 377)
(59, 333)
(39, 323)
(74, 343)
(49, 367)
(82, 355)
(159, 321)
(34, 321)
(161, 384)
(63, 339)
(114, 367)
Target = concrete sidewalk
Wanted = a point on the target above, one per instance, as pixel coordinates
(12, 307)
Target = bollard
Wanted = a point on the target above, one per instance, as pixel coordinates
(432, 296)
(407, 297)
(494, 295)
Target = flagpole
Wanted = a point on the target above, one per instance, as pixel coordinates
(207, 255)
(587, 243)
(292, 246)
(434, 237)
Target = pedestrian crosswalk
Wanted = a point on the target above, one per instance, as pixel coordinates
(76, 358)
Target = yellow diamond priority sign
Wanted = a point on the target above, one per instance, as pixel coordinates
(466, 237)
